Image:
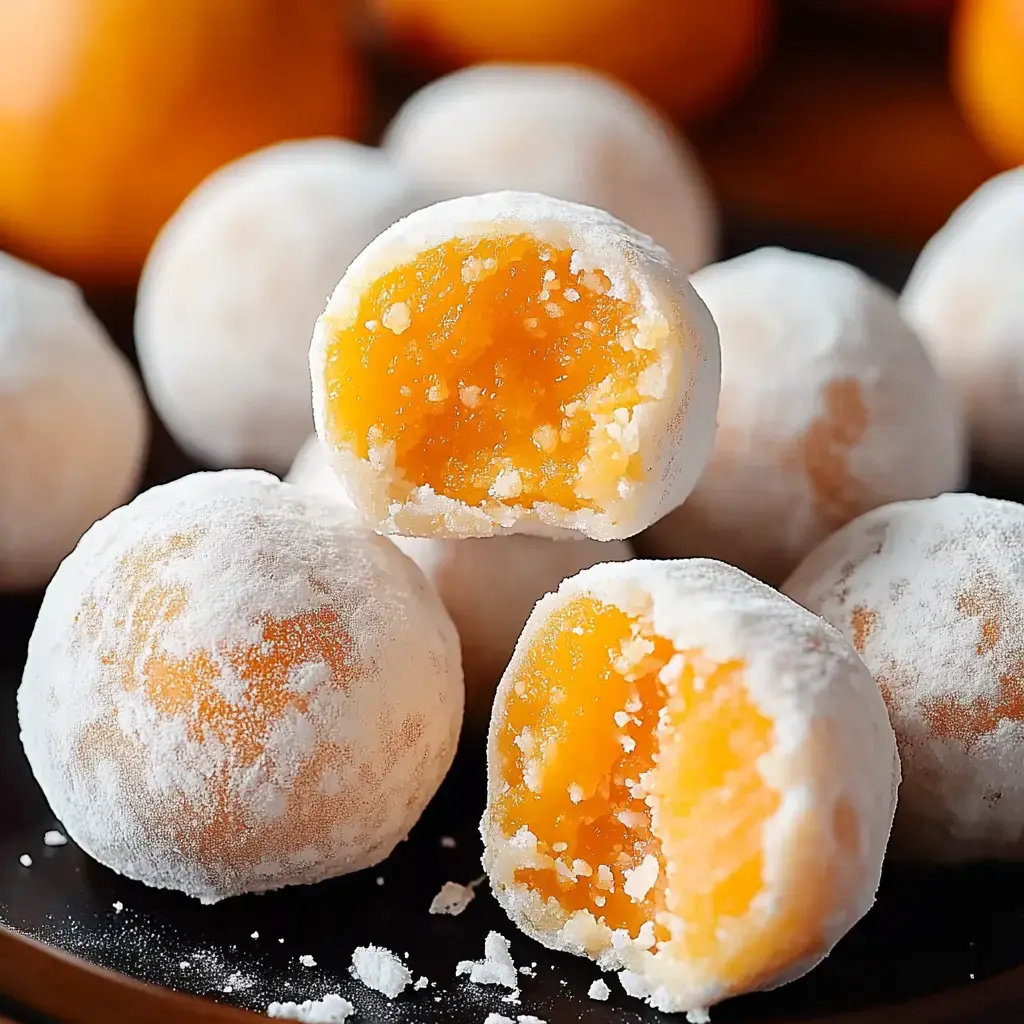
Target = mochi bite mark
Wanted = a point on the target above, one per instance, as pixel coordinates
(528, 360)
(677, 781)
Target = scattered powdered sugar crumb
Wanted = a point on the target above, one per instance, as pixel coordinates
(184, 965)
(599, 990)
(332, 1009)
(118, 906)
(55, 838)
(307, 961)
(379, 879)
(421, 983)
(381, 970)
(496, 968)
(448, 842)
(255, 935)
(25, 860)
(452, 899)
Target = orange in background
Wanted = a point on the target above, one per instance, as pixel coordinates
(111, 111)
(988, 74)
(689, 56)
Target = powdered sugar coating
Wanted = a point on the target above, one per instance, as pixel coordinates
(674, 424)
(931, 593)
(73, 425)
(564, 131)
(833, 746)
(235, 282)
(965, 298)
(829, 407)
(489, 585)
(230, 689)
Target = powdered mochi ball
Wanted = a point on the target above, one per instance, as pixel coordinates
(931, 593)
(966, 297)
(489, 585)
(829, 407)
(73, 424)
(566, 132)
(234, 283)
(230, 689)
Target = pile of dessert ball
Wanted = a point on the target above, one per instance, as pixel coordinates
(545, 461)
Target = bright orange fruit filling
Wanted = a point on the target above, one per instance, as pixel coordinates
(488, 364)
(636, 767)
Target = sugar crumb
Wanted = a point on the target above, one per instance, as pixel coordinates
(118, 906)
(379, 879)
(332, 1009)
(255, 935)
(307, 961)
(497, 966)
(448, 842)
(599, 990)
(452, 899)
(184, 965)
(25, 860)
(55, 838)
(381, 970)
(421, 983)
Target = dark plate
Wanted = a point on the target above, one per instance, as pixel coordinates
(944, 934)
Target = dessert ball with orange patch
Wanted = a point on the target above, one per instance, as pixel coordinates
(513, 363)
(230, 689)
(829, 407)
(691, 780)
(931, 593)
(566, 132)
(488, 584)
(965, 298)
(73, 424)
(235, 282)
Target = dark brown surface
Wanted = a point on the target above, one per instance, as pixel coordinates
(942, 947)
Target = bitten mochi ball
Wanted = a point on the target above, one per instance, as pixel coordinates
(566, 132)
(512, 363)
(231, 689)
(966, 297)
(931, 593)
(235, 282)
(489, 584)
(691, 779)
(829, 407)
(73, 424)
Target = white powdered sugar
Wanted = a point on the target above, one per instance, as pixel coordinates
(599, 990)
(832, 750)
(381, 970)
(672, 424)
(491, 126)
(830, 406)
(931, 593)
(332, 1009)
(497, 966)
(230, 689)
(73, 426)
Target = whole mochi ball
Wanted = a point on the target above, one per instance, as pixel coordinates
(931, 594)
(566, 132)
(488, 584)
(829, 407)
(966, 298)
(231, 688)
(73, 423)
(234, 283)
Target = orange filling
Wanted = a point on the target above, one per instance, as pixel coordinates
(635, 766)
(488, 365)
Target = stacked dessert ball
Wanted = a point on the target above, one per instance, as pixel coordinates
(237, 684)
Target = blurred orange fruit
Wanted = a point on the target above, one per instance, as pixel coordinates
(689, 56)
(988, 74)
(111, 111)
